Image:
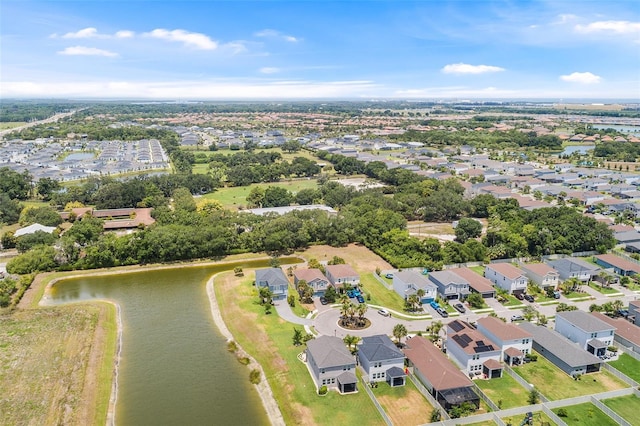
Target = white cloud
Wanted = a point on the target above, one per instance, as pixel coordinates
(195, 40)
(269, 70)
(86, 51)
(83, 33)
(269, 33)
(581, 77)
(469, 69)
(618, 27)
(124, 34)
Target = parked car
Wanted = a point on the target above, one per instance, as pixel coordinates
(443, 313)
(384, 312)
(529, 298)
(556, 294)
(359, 298)
(390, 276)
(519, 296)
(323, 300)
(460, 308)
(623, 313)
(517, 318)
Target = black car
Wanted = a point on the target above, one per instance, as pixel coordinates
(323, 300)
(519, 296)
(460, 308)
(529, 298)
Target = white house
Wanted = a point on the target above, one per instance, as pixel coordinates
(407, 283)
(331, 364)
(381, 360)
(591, 334)
(507, 277)
(514, 342)
(450, 285)
(475, 353)
(342, 274)
(541, 274)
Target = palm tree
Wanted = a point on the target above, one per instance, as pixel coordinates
(413, 301)
(399, 331)
(361, 310)
(351, 341)
(434, 329)
(617, 305)
(420, 293)
(605, 279)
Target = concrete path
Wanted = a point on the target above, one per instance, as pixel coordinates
(285, 312)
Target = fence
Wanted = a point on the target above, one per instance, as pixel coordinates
(386, 418)
(435, 404)
(528, 386)
(609, 412)
(485, 398)
(631, 353)
(628, 380)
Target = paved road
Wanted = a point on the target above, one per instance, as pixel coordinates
(51, 119)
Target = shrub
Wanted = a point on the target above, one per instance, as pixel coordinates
(232, 346)
(323, 390)
(245, 361)
(562, 412)
(254, 376)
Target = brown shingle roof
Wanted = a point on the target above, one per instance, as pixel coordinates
(476, 281)
(309, 274)
(624, 328)
(619, 262)
(502, 330)
(341, 271)
(507, 270)
(541, 269)
(434, 365)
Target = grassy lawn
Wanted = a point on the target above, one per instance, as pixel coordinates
(487, 423)
(586, 415)
(627, 365)
(268, 339)
(539, 418)
(235, 197)
(556, 384)
(200, 169)
(379, 294)
(478, 270)
(5, 125)
(299, 309)
(625, 406)
(51, 373)
(603, 290)
(504, 389)
(513, 302)
(403, 404)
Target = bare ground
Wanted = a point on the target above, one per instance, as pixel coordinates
(410, 409)
(359, 257)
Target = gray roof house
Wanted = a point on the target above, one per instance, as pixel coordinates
(407, 283)
(331, 364)
(563, 353)
(569, 267)
(275, 279)
(382, 360)
(591, 333)
(450, 285)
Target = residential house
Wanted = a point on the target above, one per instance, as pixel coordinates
(634, 311)
(477, 283)
(626, 334)
(592, 334)
(570, 267)
(331, 364)
(446, 383)
(620, 266)
(407, 283)
(275, 279)
(564, 354)
(513, 341)
(541, 274)
(627, 237)
(314, 277)
(381, 360)
(474, 352)
(507, 277)
(339, 275)
(450, 285)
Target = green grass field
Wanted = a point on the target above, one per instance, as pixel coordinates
(586, 415)
(627, 365)
(504, 389)
(626, 406)
(5, 125)
(556, 384)
(379, 294)
(236, 197)
(603, 290)
(539, 419)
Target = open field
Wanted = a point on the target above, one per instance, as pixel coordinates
(57, 364)
(539, 418)
(626, 406)
(627, 365)
(236, 197)
(268, 339)
(556, 384)
(5, 125)
(403, 404)
(586, 415)
(504, 389)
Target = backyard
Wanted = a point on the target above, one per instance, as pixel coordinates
(627, 365)
(556, 384)
(269, 339)
(403, 404)
(626, 406)
(539, 419)
(586, 414)
(505, 392)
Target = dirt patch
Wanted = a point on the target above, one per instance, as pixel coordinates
(410, 409)
(359, 257)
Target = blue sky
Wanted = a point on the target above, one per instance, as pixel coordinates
(320, 49)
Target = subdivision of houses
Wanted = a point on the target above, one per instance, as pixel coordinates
(507, 277)
(589, 332)
(381, 360)
(331, 364)
(514, 342)
(563, 353)
(474, 352)
(446, 383)
(275, 280)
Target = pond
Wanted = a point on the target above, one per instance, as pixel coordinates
(174, 366)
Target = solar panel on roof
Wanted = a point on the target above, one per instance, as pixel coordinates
(467, 339)
(460, 341)
(456, 326)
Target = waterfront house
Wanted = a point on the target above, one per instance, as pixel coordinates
(275, 279)
(331, 364)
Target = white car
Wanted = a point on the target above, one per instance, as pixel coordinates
(384, 312)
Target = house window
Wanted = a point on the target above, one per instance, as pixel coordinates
(333, 380)
(322, 371)
(593, 335)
